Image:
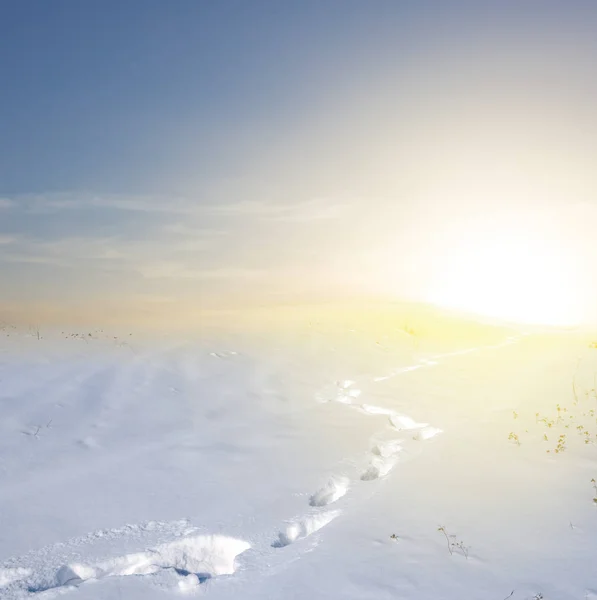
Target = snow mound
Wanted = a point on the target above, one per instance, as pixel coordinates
(195, 559)
(205, 554)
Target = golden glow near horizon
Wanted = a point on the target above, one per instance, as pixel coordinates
(513, 270)
(460, 173)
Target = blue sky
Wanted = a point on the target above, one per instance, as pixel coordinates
(122, 95)
(188, 150)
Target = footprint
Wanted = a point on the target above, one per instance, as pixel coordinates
(382, 378)
(427, 433)
(405, 370)
(349, 396)
(334, 489)
(346, 393)
(341, 391)
(379, 467)
(194, 559)
(370, 409)
(432, 362)
(384, 457)
(223, 354)
(304, 528)
(458, 352)
(429, 362)
(403, 422)
(74, 575)
(8, 576)
(88, 442)
(387, 448)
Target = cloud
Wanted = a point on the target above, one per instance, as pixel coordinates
(84, 201)
(6, 203)
(33, 259)
(312, 209)
(63, 252)
(186, 229)
(174, 270)
(171, 255)
(227, 251)
(308, 210)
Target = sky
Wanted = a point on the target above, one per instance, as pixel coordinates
(160, 156)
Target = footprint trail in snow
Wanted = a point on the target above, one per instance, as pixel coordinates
(186, 557)
(384, 454)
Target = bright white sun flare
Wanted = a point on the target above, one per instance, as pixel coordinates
(511, 273)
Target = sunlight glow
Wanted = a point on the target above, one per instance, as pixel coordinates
(507, 271)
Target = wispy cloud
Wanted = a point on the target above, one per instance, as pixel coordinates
(33, 259)
(173, 270)
(6, 203)
(168, 256)
(312, 210)
(307, 210)
(190, 230)
(94, 245)
(85, 201)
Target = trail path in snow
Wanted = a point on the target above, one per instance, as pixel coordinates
(174, 553)
(384, 453)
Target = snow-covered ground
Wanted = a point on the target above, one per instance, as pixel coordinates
(311, 463)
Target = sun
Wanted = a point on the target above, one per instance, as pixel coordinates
(511, 272)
